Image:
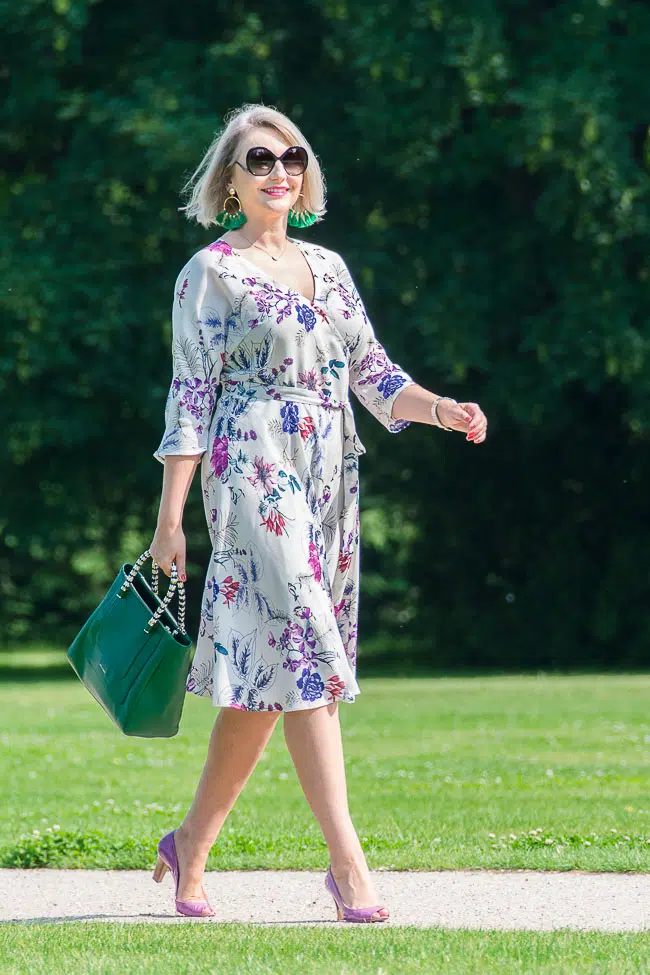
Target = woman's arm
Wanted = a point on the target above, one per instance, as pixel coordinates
(414, 403)
(177, 478)
(199, 327)
(199, 324)
(168, 543)
(387, 390)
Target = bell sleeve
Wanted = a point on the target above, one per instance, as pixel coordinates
(374, 378)
(199, 327)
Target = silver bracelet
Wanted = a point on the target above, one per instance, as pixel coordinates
(434, 412)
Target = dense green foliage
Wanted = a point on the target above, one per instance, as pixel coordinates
(487, 165)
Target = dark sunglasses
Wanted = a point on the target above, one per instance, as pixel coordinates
(260, 160)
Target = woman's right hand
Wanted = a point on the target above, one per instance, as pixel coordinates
(167, 547)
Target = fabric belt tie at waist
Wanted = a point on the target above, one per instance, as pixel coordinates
(299, 394)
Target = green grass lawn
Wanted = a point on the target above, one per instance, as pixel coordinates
(193, 949)
(539, 772)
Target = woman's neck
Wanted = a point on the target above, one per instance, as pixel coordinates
(272, 235)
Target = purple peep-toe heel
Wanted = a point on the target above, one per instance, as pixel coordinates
(345, 913)
(168, 860)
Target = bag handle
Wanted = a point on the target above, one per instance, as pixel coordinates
(174, 584)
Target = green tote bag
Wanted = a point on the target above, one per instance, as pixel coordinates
(133, 656)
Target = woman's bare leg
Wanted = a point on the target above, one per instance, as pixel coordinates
(314, 741)
(237, 742)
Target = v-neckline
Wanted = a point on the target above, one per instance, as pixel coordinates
(262, 274)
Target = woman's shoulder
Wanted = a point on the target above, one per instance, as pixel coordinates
(219, 255)
(210, 255)
(211, 263)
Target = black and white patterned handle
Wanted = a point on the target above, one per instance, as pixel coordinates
(174, 585)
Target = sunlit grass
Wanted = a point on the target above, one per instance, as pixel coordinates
(193, 949)
(540, 772)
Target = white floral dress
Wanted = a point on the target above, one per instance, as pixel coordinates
(261, 380)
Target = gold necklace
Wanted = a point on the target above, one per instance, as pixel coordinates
(254, 244)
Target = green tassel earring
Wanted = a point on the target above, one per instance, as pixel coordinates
(231, 219)
(303, 219)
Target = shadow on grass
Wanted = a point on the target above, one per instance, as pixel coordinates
(379, 668)
(54, 666)
(20, 675)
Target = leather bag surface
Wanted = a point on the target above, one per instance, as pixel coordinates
(134, 656)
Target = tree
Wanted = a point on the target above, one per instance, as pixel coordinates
(487, 167)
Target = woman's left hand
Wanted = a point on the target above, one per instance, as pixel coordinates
(475, 427)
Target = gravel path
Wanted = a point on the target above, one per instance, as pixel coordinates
(452, 899)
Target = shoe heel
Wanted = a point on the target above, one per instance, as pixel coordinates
(339, 912)
(160, 870)
(345, 913)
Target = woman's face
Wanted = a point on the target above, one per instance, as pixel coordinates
(252, 190)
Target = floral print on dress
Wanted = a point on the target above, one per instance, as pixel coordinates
(260, 389)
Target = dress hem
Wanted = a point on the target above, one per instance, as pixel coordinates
(308, 706)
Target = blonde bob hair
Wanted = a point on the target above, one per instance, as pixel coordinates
(208, 185)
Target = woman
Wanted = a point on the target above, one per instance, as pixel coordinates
(279, 326)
